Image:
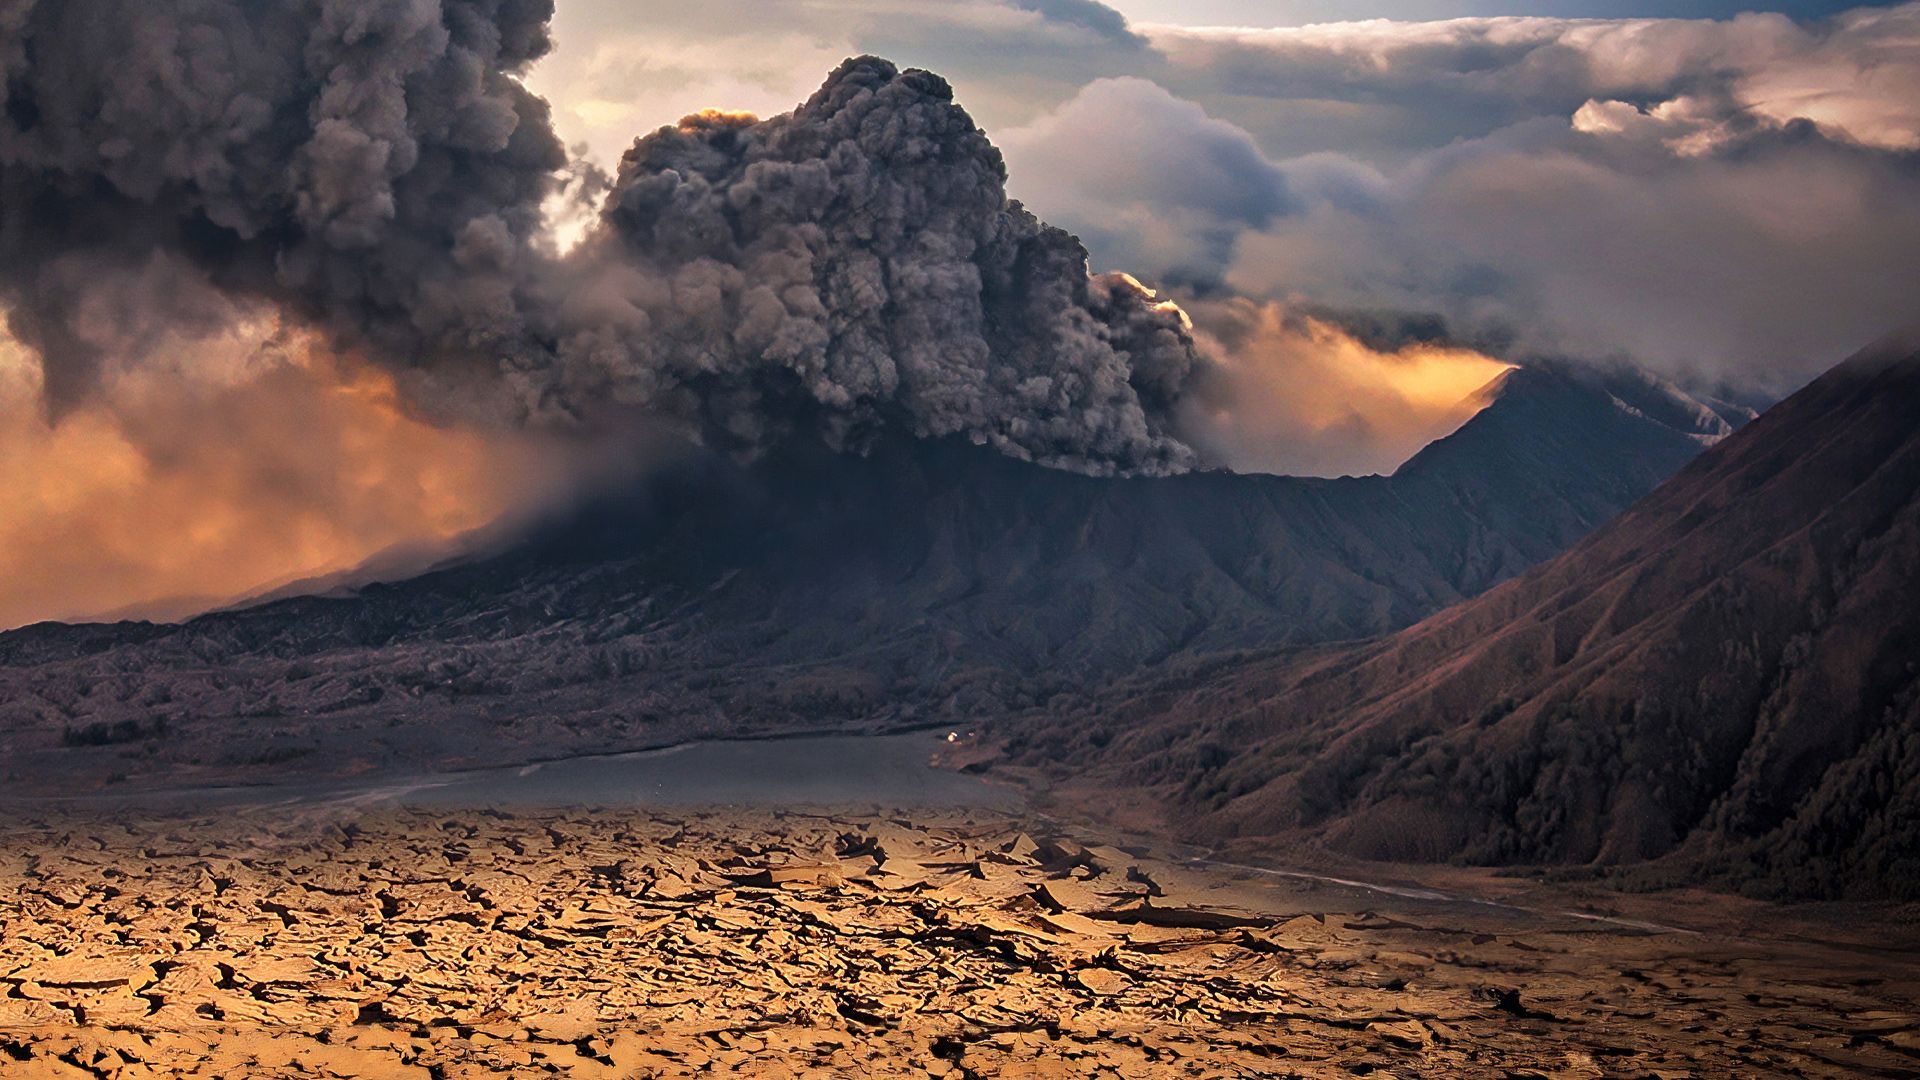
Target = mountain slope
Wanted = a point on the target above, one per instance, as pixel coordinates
(929, 580)
(1727, 676)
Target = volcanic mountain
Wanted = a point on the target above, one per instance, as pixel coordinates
(1726, 679)
(930, 581)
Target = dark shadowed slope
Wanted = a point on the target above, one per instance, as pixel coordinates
(928, 581)
(1726, 676)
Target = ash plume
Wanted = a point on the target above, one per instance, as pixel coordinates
(376, 171)
(342, 160)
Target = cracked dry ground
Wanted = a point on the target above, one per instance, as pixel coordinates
(410, 943)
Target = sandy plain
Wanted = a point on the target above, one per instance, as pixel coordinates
(444, 943)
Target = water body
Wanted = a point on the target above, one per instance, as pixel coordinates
(844, 771)
(815, 770)
(885, 770)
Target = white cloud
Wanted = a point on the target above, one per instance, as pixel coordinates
(1858, 73)
(1730, 199)
(1146, 177)
(1766, 258)
(622, 68)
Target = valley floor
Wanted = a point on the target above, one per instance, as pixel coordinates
(330, 941)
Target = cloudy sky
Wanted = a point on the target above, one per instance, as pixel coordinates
(1722, 194)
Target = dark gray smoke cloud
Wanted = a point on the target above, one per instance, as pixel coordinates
(854, 262)
(374, 169)
(369, 165)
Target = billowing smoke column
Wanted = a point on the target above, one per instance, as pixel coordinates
(372, 168)
(858, 258)
(368, 166)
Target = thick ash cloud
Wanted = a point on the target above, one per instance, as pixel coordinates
(376, 171)
(857, 263)
(373, 167)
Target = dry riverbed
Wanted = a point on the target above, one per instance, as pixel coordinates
(326, 941)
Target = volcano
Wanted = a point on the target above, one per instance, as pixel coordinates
(1722, 683)
(927, 582)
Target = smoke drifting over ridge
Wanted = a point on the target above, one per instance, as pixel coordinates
(375, 171)
(1288, 393)
(176, 488)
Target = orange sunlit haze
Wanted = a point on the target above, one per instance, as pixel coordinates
(166, 495)
(1299, 395)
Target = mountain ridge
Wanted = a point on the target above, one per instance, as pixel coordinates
(1719, 681)
(930, 580)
